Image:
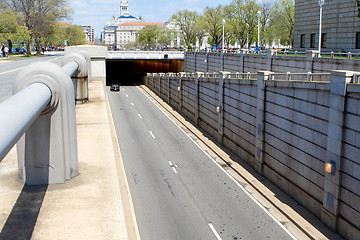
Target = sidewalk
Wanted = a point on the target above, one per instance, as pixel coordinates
(88, 206)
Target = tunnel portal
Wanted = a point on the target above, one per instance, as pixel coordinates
(127, 72)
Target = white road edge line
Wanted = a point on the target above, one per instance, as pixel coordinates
(151, 134)
(214, 231)
(228, 174)
(132, 104)
(140, 116)
(127, 95)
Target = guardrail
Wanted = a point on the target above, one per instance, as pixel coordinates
(342, 55)
(151, 55)
(40, 118)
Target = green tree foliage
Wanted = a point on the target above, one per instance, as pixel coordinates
(186, 20)
(166, 37)
(149, 35)
(282, 20)
(242, 16)
(73, 34)
(358, 7)
(39, 16)
(11, 28)
(199, 30)
(213, 19)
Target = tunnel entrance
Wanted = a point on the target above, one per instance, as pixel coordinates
(127, 72)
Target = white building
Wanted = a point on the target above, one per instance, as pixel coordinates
(90, 34)
(121, 31)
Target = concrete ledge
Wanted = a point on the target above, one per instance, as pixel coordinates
(87, 207)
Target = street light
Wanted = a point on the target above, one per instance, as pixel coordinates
(259, 15)
(247, 35)
(223, 40)
(321, 3)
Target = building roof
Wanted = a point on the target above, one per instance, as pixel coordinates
(65, 23)
(126, 17)
(142, 23)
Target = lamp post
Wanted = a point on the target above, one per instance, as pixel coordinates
(259, 15)
(223, 40)
(321, 3)
(247, 35)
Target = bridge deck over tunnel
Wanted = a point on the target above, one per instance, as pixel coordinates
(127, 72)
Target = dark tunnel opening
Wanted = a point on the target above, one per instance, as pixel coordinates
(129, 72)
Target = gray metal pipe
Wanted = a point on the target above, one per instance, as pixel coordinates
(19, 112)
(71, 68)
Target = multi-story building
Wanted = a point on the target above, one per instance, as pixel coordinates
(126, 32)
(90, 34)
(121, 31)
(340, 25)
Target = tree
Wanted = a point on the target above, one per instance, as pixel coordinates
(213, 19)
(282, 19)
(148, 36)
(11, 29)
(265, 9)
(39, 16)
(199, 30)
(186, 20)
(75, 35)
(72, 33)
(242, 16)
(166, 36)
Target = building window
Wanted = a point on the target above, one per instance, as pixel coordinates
(312, 40)
(323, 40)
(357, 44)
(302, 41)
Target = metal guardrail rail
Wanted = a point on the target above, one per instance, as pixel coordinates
(40, 118)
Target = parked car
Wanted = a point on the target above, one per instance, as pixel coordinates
(114, 87)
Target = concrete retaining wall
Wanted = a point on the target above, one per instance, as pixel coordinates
(269, 61)
(286, 130)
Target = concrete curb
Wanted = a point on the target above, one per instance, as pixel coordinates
(130, 217)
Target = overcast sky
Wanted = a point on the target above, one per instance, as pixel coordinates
(97, 12)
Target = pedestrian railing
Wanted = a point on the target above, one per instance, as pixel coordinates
(40, 118)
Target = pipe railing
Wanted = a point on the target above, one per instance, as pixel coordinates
(40, 118)
(19, 112)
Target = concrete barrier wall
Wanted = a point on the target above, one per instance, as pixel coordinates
(285, 130)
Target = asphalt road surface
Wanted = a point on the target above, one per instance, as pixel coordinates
(10, 69)
(178, 191)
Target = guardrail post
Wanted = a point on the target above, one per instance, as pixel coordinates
(310, 54)
(220, 107)
(263, 76)
(168, 86)
(206, 60)
(270, 53)
(241, 62)
(197, 76)
(47, 152)
(180, 91)
(334, 155)
(80, 78)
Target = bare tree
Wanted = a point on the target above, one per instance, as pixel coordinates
(39, 16)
